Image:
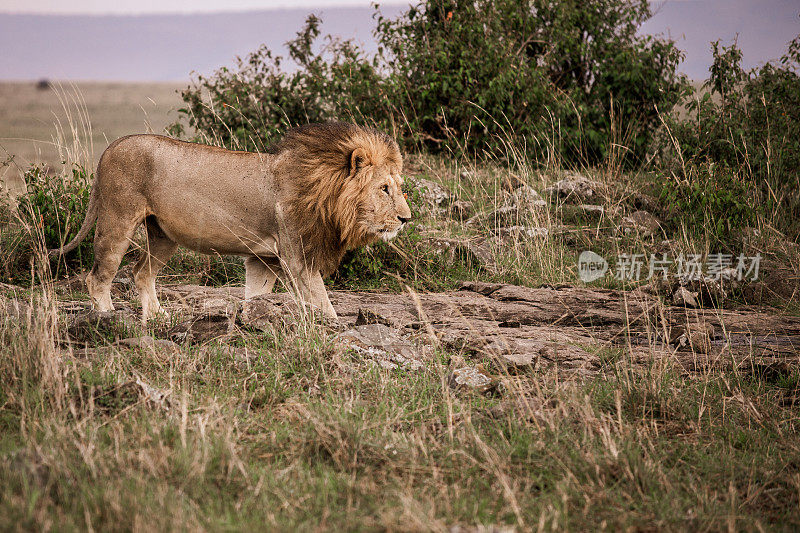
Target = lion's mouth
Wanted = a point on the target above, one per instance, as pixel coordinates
(388, 234)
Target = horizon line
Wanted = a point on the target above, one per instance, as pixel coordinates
(289, 6)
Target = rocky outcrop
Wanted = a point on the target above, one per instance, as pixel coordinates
(515, 329)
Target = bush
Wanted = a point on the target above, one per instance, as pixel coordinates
(563, 78)
(50, 213)
(713, 201)
(745, 124)
(477, 72)
(250, 107)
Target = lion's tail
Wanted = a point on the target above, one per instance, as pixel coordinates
(86, 226)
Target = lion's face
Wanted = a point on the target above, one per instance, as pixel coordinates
(384, 209)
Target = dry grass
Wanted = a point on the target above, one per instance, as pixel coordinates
(305, 435)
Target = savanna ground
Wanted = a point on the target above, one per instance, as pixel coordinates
(607, 405)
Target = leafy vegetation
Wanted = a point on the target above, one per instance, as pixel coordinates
(566, 80)
(52, 209)
(739, 147)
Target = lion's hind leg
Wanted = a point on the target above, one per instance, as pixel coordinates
(158, 250)
(111, 239)
(260, 275)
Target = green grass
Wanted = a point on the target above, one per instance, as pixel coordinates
(307, 436)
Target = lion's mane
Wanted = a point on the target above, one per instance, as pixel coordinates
(326, 197)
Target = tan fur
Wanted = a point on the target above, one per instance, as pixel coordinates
(293, 211)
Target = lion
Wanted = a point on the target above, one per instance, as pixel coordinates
(291, 211)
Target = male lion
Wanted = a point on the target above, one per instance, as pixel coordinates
(322, 190)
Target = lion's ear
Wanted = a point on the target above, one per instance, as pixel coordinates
(358, 160)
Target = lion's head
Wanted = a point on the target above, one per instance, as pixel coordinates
(346, 188)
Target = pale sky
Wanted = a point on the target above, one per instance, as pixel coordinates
(129, 7)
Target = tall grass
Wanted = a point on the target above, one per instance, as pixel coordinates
(286, 429)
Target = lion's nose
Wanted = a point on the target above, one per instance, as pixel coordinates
(403, 220)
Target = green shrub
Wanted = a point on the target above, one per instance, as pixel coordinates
(48, 214)
(563, 78)
(713, 201)
(250, 107)
(749, 123)
(563, 74)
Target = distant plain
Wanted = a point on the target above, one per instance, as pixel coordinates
(31, 119)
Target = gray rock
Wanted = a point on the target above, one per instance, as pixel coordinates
(525, 198)
(473, 378)
(695, 336)
(383, 345)
(684, 298)
(574, 188)
(203, 328)
(264, 314)
(641, 222)
(434, 195)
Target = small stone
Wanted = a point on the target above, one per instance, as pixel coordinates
(263, 314)
(434, 195)
(641, 222)
(695, 336)
(709, 291)
(573, 189)
(202, 329)
(383, 345)
(525, 198)
(684, 298)
(473, 378)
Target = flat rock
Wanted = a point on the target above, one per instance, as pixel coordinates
(383, 345)
(574, 188)
(558, 328)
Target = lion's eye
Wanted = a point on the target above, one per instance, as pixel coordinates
(385, 189)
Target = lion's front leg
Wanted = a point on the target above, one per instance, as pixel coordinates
(319, 295)
(311, 290)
